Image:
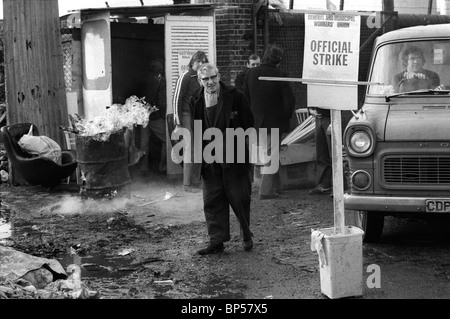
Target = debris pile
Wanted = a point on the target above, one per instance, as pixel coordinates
(24, 276)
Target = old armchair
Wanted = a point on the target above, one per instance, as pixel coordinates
(35, 170)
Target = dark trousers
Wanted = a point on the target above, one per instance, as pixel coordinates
(223, 188)
(270, 183)
(323, 152)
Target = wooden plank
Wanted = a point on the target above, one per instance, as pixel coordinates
(297, 153)
(338, 175)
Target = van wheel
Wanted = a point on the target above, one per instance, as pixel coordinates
(371, 223)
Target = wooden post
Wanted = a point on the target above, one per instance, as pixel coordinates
(338, 176)
(35, 87)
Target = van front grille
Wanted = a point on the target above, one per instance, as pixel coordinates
(417, 170)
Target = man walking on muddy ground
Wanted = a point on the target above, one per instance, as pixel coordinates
(225, 182)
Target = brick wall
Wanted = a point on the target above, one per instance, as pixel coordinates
(234, 37)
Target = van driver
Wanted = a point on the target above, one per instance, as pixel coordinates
(415, 77)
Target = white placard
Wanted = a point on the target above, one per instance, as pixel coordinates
(331, 52)
(331, 46)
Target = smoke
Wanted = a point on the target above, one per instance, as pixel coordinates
(77, 205)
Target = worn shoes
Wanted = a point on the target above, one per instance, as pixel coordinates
(213, 248)
(320, 190)
(247, 244)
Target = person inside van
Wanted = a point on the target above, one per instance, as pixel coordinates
(415, 77)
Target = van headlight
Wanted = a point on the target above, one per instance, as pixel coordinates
(359, 141)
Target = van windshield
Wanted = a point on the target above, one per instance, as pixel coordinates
(411, 66)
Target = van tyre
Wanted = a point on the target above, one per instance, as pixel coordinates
(371, 223)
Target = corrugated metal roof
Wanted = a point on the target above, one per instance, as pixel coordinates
(149, 11)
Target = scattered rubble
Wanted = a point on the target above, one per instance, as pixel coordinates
(23, 276)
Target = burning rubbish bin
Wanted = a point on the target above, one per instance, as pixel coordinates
(103, 165)
(102, 150)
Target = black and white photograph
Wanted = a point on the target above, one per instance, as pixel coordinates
(224, 158)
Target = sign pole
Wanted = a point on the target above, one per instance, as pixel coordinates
(338, 176)
(330, 69)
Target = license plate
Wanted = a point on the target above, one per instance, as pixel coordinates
(437, 205)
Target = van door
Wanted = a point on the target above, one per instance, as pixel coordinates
(184, 35)
(96, 54)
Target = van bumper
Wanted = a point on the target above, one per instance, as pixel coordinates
(397, 204)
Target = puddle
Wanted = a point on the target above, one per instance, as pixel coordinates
(108, 274)
(99, 265)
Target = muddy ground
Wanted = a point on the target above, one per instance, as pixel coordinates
(143, 247)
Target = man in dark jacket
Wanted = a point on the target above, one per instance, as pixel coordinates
(225, 182)
(253, 61)
(272, 104)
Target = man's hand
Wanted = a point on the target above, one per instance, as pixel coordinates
(312, 111)
(413, 75)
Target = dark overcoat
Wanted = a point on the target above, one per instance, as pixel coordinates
(233, 112)
(272, 102)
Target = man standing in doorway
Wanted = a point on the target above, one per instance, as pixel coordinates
(185, 87)
(155, 95)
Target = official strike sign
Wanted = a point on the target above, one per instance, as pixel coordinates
(331, 53)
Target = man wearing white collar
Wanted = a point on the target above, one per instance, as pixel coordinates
(225, 182)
